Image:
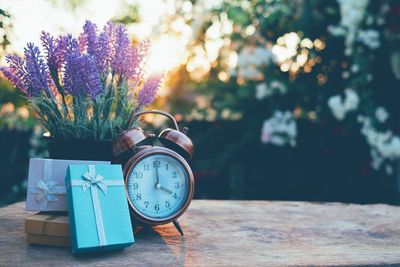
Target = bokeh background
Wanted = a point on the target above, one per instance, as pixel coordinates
(285, 100)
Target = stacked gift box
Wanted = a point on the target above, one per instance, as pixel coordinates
(81, 204)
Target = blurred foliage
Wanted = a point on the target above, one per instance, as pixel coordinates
(5, 26)
(296, 57)
(129, 15)
(9, 94)
(247, 60)
(10, 98)
(68, 4)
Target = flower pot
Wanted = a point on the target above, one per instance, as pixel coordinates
(88, 149)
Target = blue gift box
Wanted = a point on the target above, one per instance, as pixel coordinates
(98, 209)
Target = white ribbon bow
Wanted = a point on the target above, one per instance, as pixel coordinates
(44, 191)
(93, 179)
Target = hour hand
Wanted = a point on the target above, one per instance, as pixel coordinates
(166, 190)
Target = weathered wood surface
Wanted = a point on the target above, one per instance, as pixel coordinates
(239, 233)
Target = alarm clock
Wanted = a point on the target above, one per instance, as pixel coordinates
(158, 179)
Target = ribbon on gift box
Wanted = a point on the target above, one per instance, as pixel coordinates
(45, 188)
(96, 182)
(47, 220)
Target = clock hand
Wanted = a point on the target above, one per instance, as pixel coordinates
(166, 189)
(157, 185)
(158, 177)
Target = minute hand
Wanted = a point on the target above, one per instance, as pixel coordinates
(157, 175)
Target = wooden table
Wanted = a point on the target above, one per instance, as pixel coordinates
(240, 233)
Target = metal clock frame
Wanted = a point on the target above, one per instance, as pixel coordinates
(128, 168)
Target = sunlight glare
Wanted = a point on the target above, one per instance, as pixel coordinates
(167, 53)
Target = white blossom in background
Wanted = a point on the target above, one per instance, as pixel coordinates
(369, 38)
(352, 13)
(336, 106)
(264, 90)
(340, 107)
(280, 129)
(385, 146)
(278, 87)
(355, 68)
(250, 61)
(337, 30)
(381, 114)
(395, 62)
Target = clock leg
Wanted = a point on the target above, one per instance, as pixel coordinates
(137, 229)
(178, 227)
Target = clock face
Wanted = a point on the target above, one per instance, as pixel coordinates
(158, 186)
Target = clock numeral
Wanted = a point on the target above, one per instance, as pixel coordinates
(157, 207)
(177, 185)
(174, 174)
(146, 203)
(166, 167)
(135, 186)
(156, 164)
(138, 175)
(167, 204)
(175, 196)
(139, 197)
(146, 167)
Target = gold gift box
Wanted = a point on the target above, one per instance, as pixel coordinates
(48, 228)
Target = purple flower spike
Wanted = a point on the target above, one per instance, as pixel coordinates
(103, 53)
(81, 76)
(16, 72)
(50, 48)
(90, 33)
(71, 46)
(149, 90)
(122, 51)
(109, 29)
(93, 83)
(97, 46)
(82, 42)
(12, 76)
(37, 73)
(137, 59)
(60, 50)
(80, 66)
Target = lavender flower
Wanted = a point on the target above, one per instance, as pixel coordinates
(29, 75)
(71, 46)
(37, 74)
(109, 31)
(136, 60)
(96, 46)
(81, 77)
(149, 90)
(53, 63)
(90, 36)
(13, 77)
(16, 72)
(79, 67)
(82, 42)
(122, 51)
(103, 53)
(60, 50)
